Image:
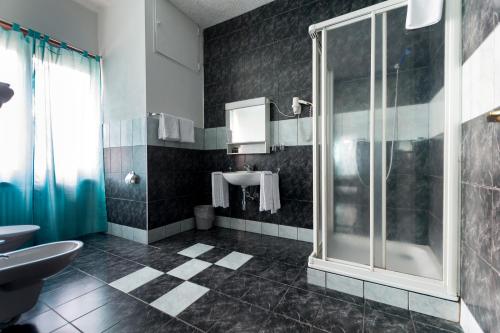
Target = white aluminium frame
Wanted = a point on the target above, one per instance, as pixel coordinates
(448, 287)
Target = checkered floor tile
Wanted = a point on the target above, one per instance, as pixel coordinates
(174, 291)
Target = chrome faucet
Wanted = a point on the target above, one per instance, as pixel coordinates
(247, 167)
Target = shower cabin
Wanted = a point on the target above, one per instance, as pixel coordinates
(385, 148)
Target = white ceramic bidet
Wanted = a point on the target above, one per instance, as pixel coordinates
(14, 236)
(22, 273)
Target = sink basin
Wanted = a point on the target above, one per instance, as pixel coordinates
(242, 178)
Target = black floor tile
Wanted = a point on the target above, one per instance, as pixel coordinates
(144, 255)
(87, 303)
(67, 329)
(265, 294)
(173, 245)
(242, 319)
(239, 301)
(149, 321)
(281, 272)
(279, 324)
(213, 255)
(377, 321)
(156, 288)
(300, 305)
(110, 314)
(110, 268)
(208, 310)
(213, 276)
(339, 316)
(389, 309)
(164, 262)
(38, 309)
(255, 266)
(70, 291)
(344, 297)
(423, 320)
(177, 326)
(62, 279)
(237, 285)
(45, 322)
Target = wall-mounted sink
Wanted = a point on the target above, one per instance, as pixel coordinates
(242, 178)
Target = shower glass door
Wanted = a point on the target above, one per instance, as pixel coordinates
(384, 120)
(348, 97)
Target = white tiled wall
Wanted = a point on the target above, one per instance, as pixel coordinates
(481, 78)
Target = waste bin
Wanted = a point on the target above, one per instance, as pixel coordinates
(204, 216)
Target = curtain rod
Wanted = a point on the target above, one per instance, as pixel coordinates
(9, 26)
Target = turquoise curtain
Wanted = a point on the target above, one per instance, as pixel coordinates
(66, 165)
(16, 130)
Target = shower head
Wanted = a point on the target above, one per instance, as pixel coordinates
(406, 52)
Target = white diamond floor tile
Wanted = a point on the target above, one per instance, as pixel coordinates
(189, 269)
(179, 298)
(234, 260)
(196, 250)
(136, 279)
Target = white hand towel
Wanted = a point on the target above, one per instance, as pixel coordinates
(220, 190)
(186, 130)
(168, 128)
(276, 193)
(269, 192)
(422, 13)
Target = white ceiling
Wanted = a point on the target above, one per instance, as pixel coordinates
(210, 12)
(204, 12)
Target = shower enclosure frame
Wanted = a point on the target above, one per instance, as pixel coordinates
(448, 287)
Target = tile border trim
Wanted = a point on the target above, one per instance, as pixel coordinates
(444, 309)
(153, 235)
(270, 229)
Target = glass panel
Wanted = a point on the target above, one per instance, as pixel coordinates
(414, 147)
(349, 97)
(317, 147)
(378, 204)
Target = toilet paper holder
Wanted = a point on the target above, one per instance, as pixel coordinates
(131, 178)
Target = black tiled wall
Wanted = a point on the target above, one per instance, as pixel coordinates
(266, 52)
(295, 164)
(126, 204)
(174, 178)
(480, 241)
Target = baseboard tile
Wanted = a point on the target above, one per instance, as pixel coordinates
(153, 235)
(265, 228)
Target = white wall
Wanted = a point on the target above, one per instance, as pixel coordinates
(62, 19)
(122, 45)
(481, 78)
(171, 87)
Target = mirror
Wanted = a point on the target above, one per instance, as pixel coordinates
(247, 124)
